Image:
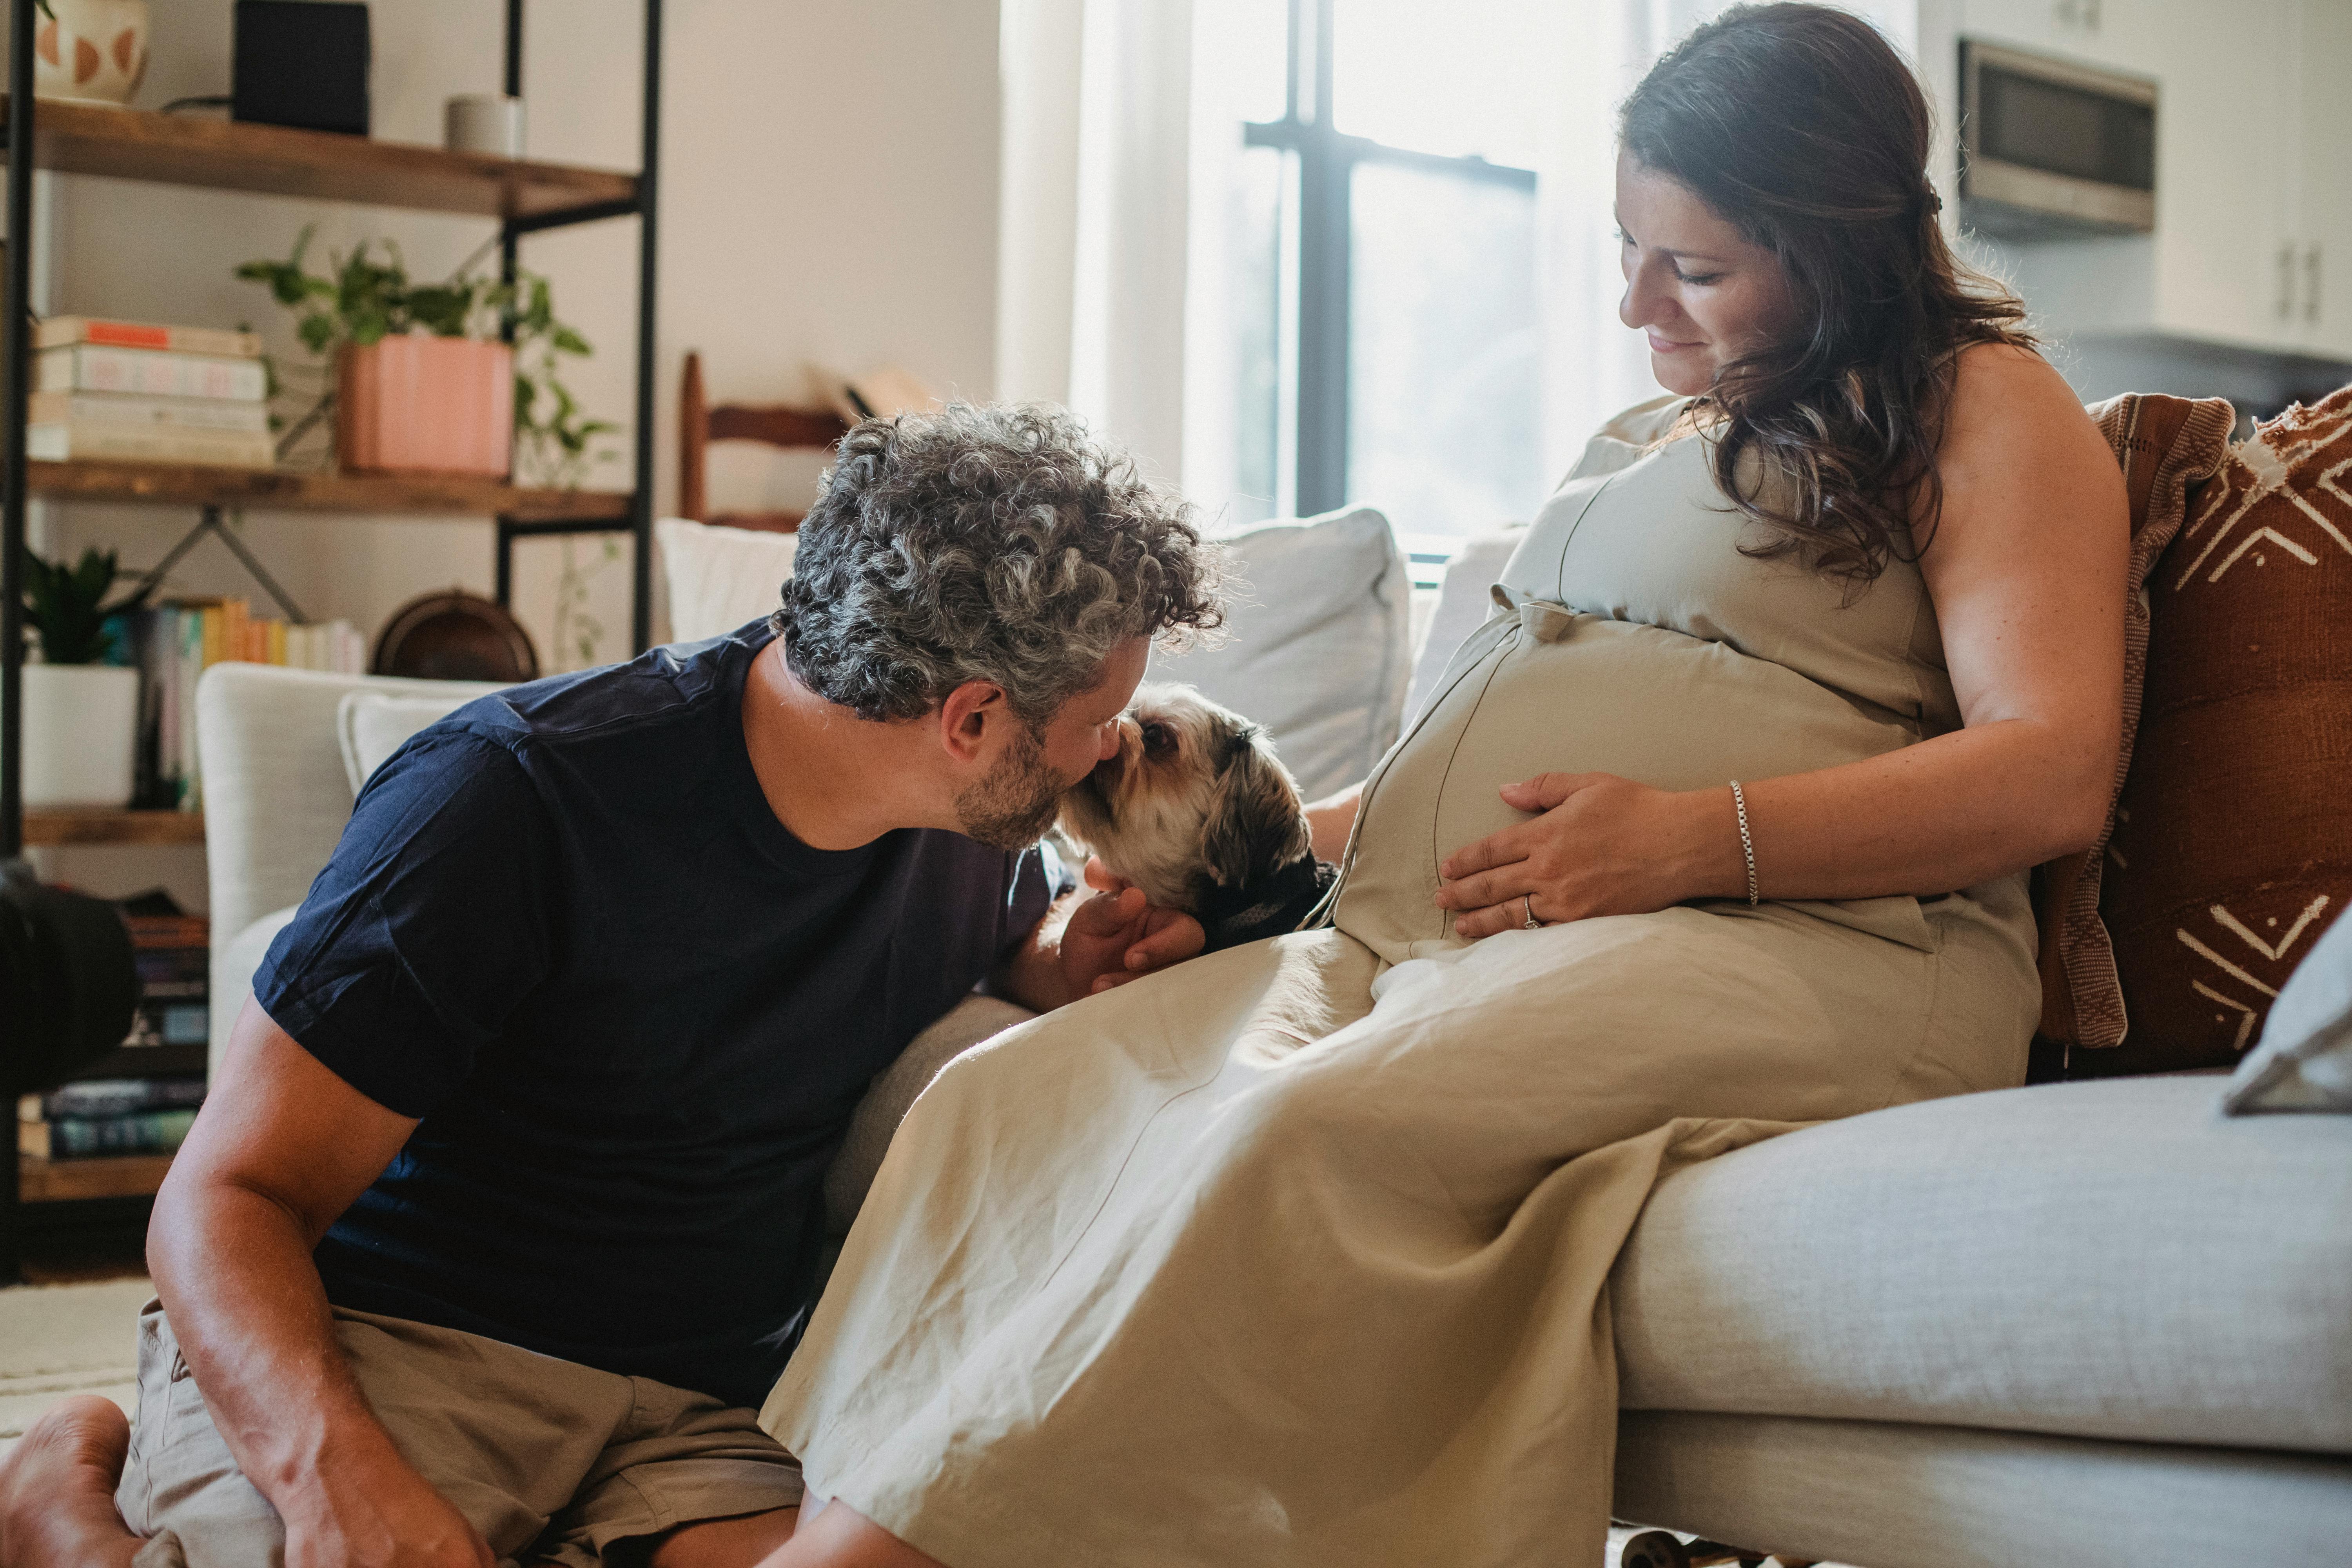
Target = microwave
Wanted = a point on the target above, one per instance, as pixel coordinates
(2050, 148)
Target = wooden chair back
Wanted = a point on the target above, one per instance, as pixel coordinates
(698, 424)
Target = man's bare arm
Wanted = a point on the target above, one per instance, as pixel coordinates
(283, 1147)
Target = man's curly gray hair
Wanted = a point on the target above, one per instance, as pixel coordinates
(1001, 544)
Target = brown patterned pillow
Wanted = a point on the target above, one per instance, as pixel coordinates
(2232, 847)
(2166, 445)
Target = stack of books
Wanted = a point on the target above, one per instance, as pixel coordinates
(173, 643)
(130, 391)
(109, 1116)
(141, 1096)
(172, 951)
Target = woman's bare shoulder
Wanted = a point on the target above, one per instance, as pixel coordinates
(2009, 406)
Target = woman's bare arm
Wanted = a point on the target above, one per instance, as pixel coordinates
(2026, 570)
(1331, 819)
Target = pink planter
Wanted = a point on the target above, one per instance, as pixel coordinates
(426, 406)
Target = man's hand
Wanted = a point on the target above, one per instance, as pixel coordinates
(379, 1515)
(1090, 943)
(1117, 936)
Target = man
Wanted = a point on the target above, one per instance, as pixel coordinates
(506, 1207)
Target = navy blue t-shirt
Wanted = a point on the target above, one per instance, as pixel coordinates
(633, 1011)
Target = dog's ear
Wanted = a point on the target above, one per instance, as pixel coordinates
(1256, 822)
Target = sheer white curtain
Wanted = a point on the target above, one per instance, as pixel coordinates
(1092, 254)
(1124, 288)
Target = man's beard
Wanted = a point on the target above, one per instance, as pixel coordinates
(1013, 806)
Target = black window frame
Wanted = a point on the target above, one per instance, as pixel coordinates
(1328, 158)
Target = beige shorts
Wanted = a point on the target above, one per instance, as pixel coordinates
(552, 1462)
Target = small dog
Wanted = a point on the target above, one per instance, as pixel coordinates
(1198, 812)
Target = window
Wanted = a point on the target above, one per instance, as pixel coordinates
(1381, 224)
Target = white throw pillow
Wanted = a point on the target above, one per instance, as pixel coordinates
(2304, 1059)
(372, 724)
(720, 578)
(1463, 602)
(1317, 643)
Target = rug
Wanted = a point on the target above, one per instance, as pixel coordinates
(56, 1339)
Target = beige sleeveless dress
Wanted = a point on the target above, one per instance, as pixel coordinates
(1297, 1253)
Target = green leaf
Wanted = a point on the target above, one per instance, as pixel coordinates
(571, 342)
(442, 311)
(63, 604)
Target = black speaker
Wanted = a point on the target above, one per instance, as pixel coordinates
(69, 984)
(302, 63)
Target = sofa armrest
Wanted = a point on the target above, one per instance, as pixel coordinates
(276, 795)
(893, 1092)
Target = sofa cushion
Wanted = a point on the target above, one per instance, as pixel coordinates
(1934, 1497)
(720, 578)
(2166, 447)
(1465, 600)
(2304, 1062)
(370, 725)
(1317, 643)
(2233, 851)
(2106, 1260)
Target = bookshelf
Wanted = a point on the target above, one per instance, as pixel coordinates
(98, 1176)
(522, 196)
(49, 829)
(190, 484)
(273, 160)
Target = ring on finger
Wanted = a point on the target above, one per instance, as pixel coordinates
(1527, 903)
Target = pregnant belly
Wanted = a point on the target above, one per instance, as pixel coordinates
(1551, 691)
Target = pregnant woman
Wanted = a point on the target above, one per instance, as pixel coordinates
(1295, 1254)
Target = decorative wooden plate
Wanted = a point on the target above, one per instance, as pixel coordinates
(455, 635)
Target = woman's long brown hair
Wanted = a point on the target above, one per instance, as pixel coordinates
(1803, 127)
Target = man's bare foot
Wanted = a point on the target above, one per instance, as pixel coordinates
(57, 1491)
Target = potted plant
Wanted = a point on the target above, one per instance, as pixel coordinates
(433, 377)
(81, 715)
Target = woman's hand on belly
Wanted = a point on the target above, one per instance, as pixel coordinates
(1602, 845)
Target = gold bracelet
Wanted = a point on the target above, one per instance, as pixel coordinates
(1746, 844)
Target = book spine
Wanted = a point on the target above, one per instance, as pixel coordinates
(89, 367)
(62, 442)
(132, 409)
(72, 1137)
(192, 666)
(112, 1097)
(58, 331)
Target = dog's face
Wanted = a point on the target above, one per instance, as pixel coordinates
(1195, 799)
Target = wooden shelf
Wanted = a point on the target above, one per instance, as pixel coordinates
(98, 1176)
(54, 827)
(190, 484)
(191, 150)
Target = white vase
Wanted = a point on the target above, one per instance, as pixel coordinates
(90, 51)
(81, 733)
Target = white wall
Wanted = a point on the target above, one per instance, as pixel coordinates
(828, 192)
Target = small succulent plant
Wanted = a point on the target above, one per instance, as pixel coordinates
(66, 605)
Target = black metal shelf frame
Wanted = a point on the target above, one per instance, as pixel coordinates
(15, 298)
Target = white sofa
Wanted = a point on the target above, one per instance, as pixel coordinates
(2081, 1323)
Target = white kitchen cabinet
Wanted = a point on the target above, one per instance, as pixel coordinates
(2319, 232)
(2252, 245)
(2226, 169)
(2116, 33)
